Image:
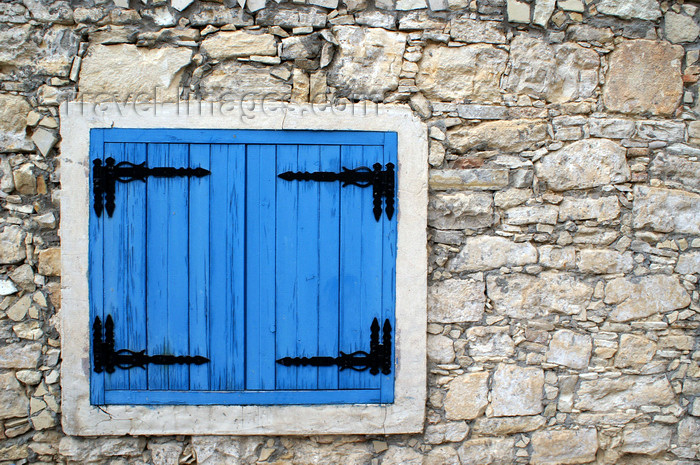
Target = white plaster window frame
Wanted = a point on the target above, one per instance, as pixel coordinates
(405, 415)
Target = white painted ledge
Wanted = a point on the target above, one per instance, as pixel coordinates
(405, 415)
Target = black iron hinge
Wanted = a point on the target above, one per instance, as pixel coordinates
(381, 180)
(105, 177)
(378, 359)
(105, 358)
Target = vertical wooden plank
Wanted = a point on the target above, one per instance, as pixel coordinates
(307, 268)
(116, 249)
(199, 281)
(260, 266)
(178, 264)
(227, 267)
(389, 236)
(329, 256)
(285, 264)
(157, 213)
(360, 266)
(96, 266)
(134, 198)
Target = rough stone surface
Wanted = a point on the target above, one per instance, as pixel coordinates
(472, 72)
(368, 61)
(564, 446)
(570, 349)
(20, 356)
(12, 249)
(225, 45)
(610, 394)
(494, 451)
(645, 296)
(440, 349)
(680, 28)
(666, 210)
(516, 390)
(628, 9)
(559, 73)
(488, 252)
(13, 121)
(634, 351)
(680, 170)
(489, 343)
(604, 261)
(602, 209)
(503, 426)
(86, 450)
(461, 210)
(50, 262)
(471, 31)
(657, 64)
(646, 439)
(688, 263)
(584, 164)
(525, 296)
(13, 401)
(232, 81)
(128, 71)
(466, 397)
(456, 301)
(522, 135)
(477, 179)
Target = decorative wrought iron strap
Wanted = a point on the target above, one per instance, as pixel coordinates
(105, 177)
(378, 359)
(105, 358)
(381, 180)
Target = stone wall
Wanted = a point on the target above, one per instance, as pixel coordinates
(564, 211)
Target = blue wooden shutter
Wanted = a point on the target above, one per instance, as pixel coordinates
(241, 267)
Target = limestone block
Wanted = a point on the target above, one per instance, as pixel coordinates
(483, 253)
(233, 80)
(611, 128)
(688, 263)
(677, 170)
(488, 343)
(527, 296)
(518, 12)
(628, 9)
(554, 447)
(584, 164)
(452, 431)
(13, 122)
(478, 179)
(407, 5)
(483, 112)
(666, 210)
(461, 210)
(494, 451)
(456, 301)
(472, 72)
(165, 453)
(231, 44)
(85, 450)
(516, 390)
(126, 70)
(25, 181)
(368, 61)
(442, 455)
(216, 450)
(646, 439)
(19, 309)
(220, 15)
(669, 131)
(440, 349)
(23, 276)
(640, 297)
(467, 396)
(503, 426)
(532, 214)
(543, 11)
(473, 31)
(397, 455)
(688, 432)
(605, 261)
(507, 136)
(13, 401)
(305, 46)
(561, 258)
(7, 183)
(50, 262)
(292, 16)
(511, 197)
(557, 73)
(570, 349)
(601, 209)
(376, 18)
(18, 356)
(680, 28)
(656, 64)
(634, 351)
(7, 287)
(12, 249)
(37, 50)
(44, 140)
(625, 392)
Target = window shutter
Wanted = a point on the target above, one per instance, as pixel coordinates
(229, 284)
